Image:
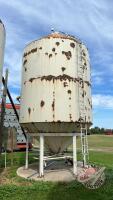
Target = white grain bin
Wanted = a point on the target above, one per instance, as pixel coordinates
(2, 44)
(56, 88)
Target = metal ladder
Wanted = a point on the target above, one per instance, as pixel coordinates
(84, 144)
(81, 88)
(83, 126)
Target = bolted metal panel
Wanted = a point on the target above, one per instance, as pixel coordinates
(2, 44)
(56, 87)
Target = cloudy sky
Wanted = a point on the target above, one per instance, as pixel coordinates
(89, 20)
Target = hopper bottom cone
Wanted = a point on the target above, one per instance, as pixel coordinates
(57, 144)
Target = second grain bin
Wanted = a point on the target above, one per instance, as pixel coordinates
(2, 44)
(56, 88)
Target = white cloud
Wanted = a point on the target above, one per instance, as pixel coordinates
(103, 101)
(97, 77)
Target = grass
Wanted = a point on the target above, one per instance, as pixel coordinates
(96, 142)
(15, 188)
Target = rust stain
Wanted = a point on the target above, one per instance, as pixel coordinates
(88, 83)
(62, 36)
(29, 110)
(33, 50)
(63, 77)
(53, 105)
(67, 54)
(57, 43)
(31, 79)
(29, 52)
(42, 103)
(72, 45)
(25, 61)
(60, 77)
(65, 84)
(63, 69)
(53, 49)
(25, 54)
(70, 116)
(83, 53)
(50, 55)
(69, 91)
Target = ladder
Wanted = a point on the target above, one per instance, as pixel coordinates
(82, 114)
(81, 87)
(84, 144)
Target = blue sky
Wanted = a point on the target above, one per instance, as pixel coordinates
(90, 20)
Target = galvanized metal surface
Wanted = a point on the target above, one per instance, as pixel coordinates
(56, 86)
(2, 45)
(10, 121)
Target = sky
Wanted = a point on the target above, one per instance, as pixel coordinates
(89, 20)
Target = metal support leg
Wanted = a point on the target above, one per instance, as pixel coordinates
(74, 155)
(41, 163)
(27, 151)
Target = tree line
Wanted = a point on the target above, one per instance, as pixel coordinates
(97, 130)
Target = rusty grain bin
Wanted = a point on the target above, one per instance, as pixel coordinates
(56, 87)
(2, 44)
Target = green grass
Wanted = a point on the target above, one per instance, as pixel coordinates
(18, 159)
(16, 188)
(99, 142)
(57, 191)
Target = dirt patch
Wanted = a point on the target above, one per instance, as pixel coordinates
(7, 178)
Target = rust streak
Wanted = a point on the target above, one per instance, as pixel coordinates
(32, 79)
(42, 103)
(29, 52)
(29, 110)
(53, 105)
(50, 55)
(25, 61)
(63, 77)
(60, 77)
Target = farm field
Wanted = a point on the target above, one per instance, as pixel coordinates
(99, 143)
(13, 187)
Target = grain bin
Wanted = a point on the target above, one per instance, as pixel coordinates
(56, 92)
(2, 44)
(56, 89)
